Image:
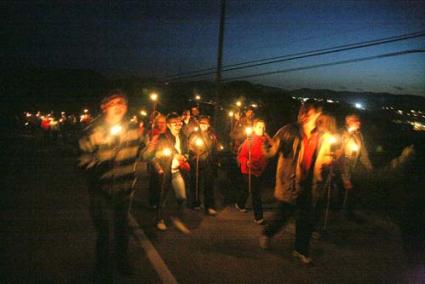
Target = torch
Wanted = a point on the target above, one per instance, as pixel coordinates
(199, 143)
(354, 148)
(164, 153)
(154, 98)
(332, 142)
(248, 132)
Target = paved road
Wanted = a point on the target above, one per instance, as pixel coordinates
(47, 236)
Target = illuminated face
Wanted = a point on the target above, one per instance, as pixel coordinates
(115, 110)
(259, 128)
(204, 125)
(195, 111)
(309, 117)
(353, 123)
(161, 124)
(175, 125)
(249, 113)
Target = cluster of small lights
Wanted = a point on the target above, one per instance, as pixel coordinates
(417, 126)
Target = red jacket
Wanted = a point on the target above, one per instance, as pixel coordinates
(258, 160)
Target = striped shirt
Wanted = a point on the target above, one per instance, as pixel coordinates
(110, 157)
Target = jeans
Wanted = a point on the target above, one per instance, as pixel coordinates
(176, 180)
(257, 204)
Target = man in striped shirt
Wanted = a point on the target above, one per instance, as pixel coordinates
(110, 148)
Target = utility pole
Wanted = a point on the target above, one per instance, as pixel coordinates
(219, 63)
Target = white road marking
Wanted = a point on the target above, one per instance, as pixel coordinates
(158, 263)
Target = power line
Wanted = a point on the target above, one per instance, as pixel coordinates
(300, 55)
(392, 54)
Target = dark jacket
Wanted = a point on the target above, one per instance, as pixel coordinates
(208, 150)
(287, 144)
(350, 159)
(154, 151)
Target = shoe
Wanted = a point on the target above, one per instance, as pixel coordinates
(304, 259)
(161, 225)
(211, 212)
(180, 226)
(316, 236)
(243, 210)
(260, 221)
(264, 242)
(196, 208)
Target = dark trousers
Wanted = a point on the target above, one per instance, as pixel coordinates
(305, 219)
(154, 190)
(206, 177)
(110, 218)
(257, 204)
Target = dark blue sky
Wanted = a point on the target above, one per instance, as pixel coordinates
(159, 38)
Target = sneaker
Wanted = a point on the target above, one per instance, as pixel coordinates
(211, 212)
(264, 242)
(243, 210)
(161, 225)
(304, 259)
(260, 221)
(180, 226)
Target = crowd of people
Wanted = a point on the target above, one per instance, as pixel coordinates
(182, 155)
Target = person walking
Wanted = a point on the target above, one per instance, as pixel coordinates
(253, 163)
(168, 154)
(110, 149)
(303, 157)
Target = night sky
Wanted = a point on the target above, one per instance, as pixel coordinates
(160, 38)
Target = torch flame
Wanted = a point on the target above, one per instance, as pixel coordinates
(154, 97)
(116, 129)
(198, 142)
(248, 131)
(354, 147)
(332, 140)
(166, 152)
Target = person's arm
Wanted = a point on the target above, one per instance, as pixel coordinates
(87, 156)
(364, 155)
(243, 154)
(149, 151)
(272, 145)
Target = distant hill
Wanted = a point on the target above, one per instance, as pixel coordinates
(43, 87)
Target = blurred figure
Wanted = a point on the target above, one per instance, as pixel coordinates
(191, 120)
(303, 155)
(238, 130)
(237, 136)
(110, 149)
(168, 153)
(354, 159)
(155, 180)
(203, 147)
(253, 163)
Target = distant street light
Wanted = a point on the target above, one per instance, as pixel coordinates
(154, 97)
